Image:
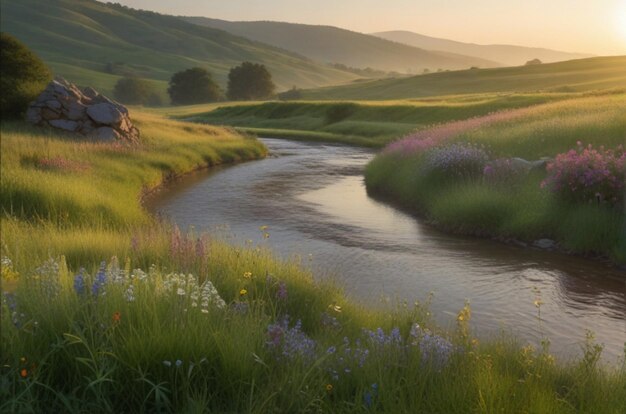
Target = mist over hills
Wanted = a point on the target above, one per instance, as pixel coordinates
(330, 44)
(508, 55)
(92, 42)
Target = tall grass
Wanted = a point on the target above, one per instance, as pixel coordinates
(522, 209)
(135, 335)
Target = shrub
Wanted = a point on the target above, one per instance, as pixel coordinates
(455, 161)
(193, 86)
(588, 175)
(250, 81)
(22, 76)
(136, 91)
(292, 94)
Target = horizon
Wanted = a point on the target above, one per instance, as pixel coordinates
(598, 28)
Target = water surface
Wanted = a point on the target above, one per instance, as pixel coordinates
(313, 200)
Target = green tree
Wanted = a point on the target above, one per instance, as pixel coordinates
(250, 81)
(136, 91)
(23, 76)
(193, 86)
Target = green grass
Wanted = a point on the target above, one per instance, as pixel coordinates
(521, 210)
(360, 123)
(79, 38)
(73, 352)
(570, 76)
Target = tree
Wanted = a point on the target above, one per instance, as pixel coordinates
(136, 91)
(23, 76)
(193, 86)
(250, 81)
(290, 95)
(534, 62)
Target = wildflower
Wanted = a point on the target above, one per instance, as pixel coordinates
(281, 294)
(247, 275)
(290, 343)
(23, 360)
(23, 373)
(180, 291)
(331, 350)
(178, 363)
(329, 387)
(243, 292)
(263, 228)
(117, 317)
(98, 285)
(335, 308)
(538, 302)
(167, 363)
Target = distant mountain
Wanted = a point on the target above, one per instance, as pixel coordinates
(92, 42)
(508, 55)
(571, 76)
(330, 44)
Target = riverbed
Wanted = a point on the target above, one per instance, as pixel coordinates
(312, 199)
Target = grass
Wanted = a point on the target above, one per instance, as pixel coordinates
(363, 123)
(138, 344)
(570, 76)
(80, 38)
(520, 209)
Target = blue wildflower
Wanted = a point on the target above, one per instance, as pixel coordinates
(101, 278)
(178, 363)
(79, 283)
(290, 343)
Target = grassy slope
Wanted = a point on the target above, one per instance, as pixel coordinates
(335, 45)
(509, 55)
(77, 38)
(365, 123)
(575, 75)
(108, 353)
(520, 210)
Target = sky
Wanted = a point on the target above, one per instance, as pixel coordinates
(587, 26)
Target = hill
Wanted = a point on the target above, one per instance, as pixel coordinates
(334, 45)
(95, 43)
(508, 55)
(571, 76)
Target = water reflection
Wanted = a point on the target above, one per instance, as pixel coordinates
(313, 198)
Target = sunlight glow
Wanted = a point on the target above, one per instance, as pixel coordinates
(621, 21)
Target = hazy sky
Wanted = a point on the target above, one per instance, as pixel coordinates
(592, 26)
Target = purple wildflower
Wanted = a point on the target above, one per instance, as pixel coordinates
(281, 294)
(290, 343)
(98, 285)
(79, 283)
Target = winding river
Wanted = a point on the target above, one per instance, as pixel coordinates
(313, 200)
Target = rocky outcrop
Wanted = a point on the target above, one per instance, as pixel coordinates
(64, 106)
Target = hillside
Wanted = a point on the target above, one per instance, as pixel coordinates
(334, 45)
(508, 55)
(95, 43)
(571, 76)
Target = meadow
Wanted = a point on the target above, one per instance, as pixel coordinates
(361, 123)
(107, 309)
(492, 195)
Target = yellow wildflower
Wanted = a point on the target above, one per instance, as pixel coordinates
(329, 387)
(243, 292)
(247, 275)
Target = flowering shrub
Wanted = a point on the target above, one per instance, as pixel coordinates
(588, 175)
(456, 161)
(502, 172)
(411, 146)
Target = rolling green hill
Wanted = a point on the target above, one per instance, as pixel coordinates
(95, 43)
(334, 45)
(571, 76)
(508, 55)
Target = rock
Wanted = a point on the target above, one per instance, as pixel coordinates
(75, 111)
(105, 113)
(521, 164)
(547, 244)
(33, 115)
(540, 165)
(48, 114)
(106, 134)
(64, 124)
(64, 106)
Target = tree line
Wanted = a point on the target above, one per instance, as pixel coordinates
(248, 81)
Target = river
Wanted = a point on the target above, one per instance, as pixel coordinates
(313, 199)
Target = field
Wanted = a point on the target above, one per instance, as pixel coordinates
(517, 207)
(94, 44)
(570, 76)
(106, 309)
(364, 123)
